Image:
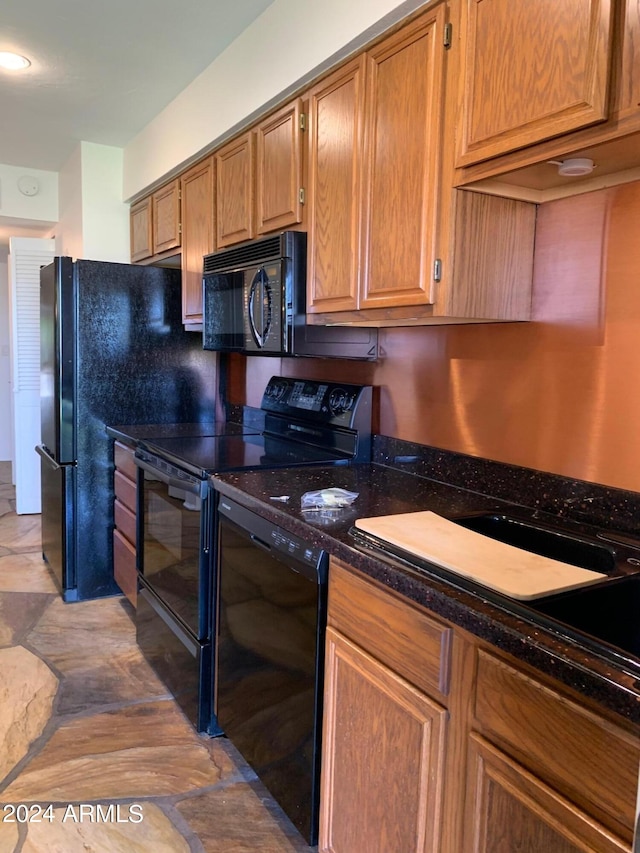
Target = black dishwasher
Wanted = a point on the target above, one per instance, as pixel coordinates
(272, 594)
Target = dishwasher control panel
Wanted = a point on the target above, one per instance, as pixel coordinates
(300, 555)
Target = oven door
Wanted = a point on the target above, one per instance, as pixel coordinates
(182, 662)
(174, 553)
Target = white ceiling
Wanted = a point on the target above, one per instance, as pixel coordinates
(102, 70)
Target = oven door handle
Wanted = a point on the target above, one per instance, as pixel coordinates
(193, 485)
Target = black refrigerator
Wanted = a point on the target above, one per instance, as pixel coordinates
(113, 351)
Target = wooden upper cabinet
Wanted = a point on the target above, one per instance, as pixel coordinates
(166, 218)
(197, 237)
(155, 223)
(375, 128)
(531, 71)
(235, 165)
(259, 179)
(390, 241)
(404, 107)
(279, 181)
(336, 117)
(140, 219)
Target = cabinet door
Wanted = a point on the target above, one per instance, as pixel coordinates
(531, 71)
(279, 170)
(587, 759)
(234, 191)
(508, 809)
(336, 111)
(166, 218)
(383, 752)
(404, 108)
(140, 220)
(197, 235)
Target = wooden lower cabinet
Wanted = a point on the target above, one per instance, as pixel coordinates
(509, 809)
(472, 751)
(590, 761)
(384, 755)
(124, 533)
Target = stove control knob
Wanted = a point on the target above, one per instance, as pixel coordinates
(340, 401)
(277, 389)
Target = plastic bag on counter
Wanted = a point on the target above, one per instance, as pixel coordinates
(327, 499)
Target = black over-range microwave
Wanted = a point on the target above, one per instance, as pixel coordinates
(254, 302)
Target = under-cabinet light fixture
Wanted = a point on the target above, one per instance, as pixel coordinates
(574, 167)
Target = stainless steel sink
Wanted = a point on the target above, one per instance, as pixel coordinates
(544, 540)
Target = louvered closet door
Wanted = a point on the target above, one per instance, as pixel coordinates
(26, 256)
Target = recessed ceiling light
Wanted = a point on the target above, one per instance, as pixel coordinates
(13, 61)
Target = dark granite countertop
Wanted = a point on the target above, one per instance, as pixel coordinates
(384, 491)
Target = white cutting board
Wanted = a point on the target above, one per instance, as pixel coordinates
(504, 568)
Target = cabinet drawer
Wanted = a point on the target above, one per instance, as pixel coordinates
(590, 760)
(124, 566)
(125, 490)
(125, 520)
(123, 458)
(397, 633)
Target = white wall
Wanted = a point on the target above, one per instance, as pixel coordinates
(68, 232)
(14, 205)
(5, 371)
(288, 44)
(94, 222)
(105, 218)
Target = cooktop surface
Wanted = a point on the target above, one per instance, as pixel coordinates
(204, 455)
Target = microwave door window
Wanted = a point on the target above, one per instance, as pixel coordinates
(222, 327)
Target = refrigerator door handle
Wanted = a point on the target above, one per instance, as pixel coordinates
(42, 451)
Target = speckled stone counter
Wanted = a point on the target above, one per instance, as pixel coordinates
(383, 491)
(407, 477)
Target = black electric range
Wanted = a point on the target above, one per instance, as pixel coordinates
(305, 422)
(302, 423)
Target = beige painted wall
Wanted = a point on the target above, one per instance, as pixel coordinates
(292, 41)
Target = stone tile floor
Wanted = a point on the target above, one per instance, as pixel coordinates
(94, 754)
